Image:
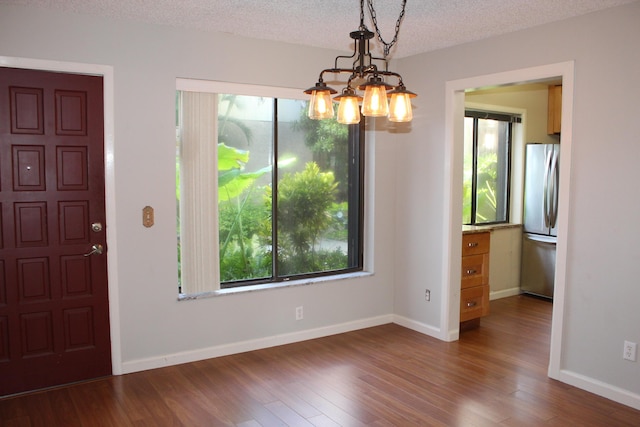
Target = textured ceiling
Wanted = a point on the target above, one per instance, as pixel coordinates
(428, 24)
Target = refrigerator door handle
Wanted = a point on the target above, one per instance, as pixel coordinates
(553, 216)
(545, 189)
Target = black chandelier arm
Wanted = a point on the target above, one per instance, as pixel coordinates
(335, 62)
(360, 73)
(337, 71)
(391, 73)
(372, 71)
(351, 77)
(369, 70)
(359, 62)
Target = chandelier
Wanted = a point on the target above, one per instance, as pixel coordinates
(380, 98)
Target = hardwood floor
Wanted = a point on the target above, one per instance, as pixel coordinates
(382, 376)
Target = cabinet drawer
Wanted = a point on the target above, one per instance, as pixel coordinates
(475, 243)
(474, 303)
(475, 271)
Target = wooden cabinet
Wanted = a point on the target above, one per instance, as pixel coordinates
(474, 286)
(554, 118)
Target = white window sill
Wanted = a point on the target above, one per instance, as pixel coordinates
(278, 285)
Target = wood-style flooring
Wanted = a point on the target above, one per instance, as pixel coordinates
(382, 376)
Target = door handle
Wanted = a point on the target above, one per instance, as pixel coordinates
(96, 249)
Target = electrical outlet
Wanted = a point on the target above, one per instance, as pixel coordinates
(299, 313)
(427, 295)
(629, 352)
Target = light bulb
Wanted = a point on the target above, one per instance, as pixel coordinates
(375, 101)
(320, 106)
(348, 110)
(400, 107)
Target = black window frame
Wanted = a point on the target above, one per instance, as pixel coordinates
(356, 158)
(476, 115)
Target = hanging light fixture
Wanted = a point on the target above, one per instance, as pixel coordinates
(380, 98)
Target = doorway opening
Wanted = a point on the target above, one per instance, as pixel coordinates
(455, 108)
(510, 183)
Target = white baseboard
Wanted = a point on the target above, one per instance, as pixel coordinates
(423, 328)
(504, 293)
(243, 346)
(600, 388)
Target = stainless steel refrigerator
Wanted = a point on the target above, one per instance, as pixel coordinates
(540, 216)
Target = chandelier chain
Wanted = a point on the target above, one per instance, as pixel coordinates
(387, 46)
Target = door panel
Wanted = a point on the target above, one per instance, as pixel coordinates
(26, 110)
(54, 312)
(28, 168)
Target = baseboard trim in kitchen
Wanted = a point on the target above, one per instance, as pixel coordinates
(504, 293)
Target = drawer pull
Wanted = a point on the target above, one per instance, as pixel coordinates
(471, 304)
(472, 244)
(469, 272)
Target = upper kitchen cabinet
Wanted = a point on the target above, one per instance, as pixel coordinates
(554, 119)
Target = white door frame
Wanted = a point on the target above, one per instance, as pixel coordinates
(454, 129)
(106, 72)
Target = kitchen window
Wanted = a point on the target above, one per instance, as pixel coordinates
(264, 194)
(487, 148)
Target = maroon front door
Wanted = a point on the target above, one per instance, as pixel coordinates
(54, 311)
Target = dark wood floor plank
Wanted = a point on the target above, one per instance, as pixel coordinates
(39, 409)
(95, 404)
(231, 402)
(141, 401)
(343, 416)
(383, 376)
(287, 415)
(65, 412)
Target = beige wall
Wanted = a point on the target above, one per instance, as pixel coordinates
(530, 97)
(504, 267)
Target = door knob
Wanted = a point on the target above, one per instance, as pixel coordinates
(96, 249)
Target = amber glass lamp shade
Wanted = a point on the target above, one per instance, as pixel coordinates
(374, 102)
(400, 105)
(320, 105)
(348, 107)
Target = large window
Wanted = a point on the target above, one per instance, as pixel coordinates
(487, 148)
(264, 194)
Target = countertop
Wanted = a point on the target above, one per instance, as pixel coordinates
(469, 229)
